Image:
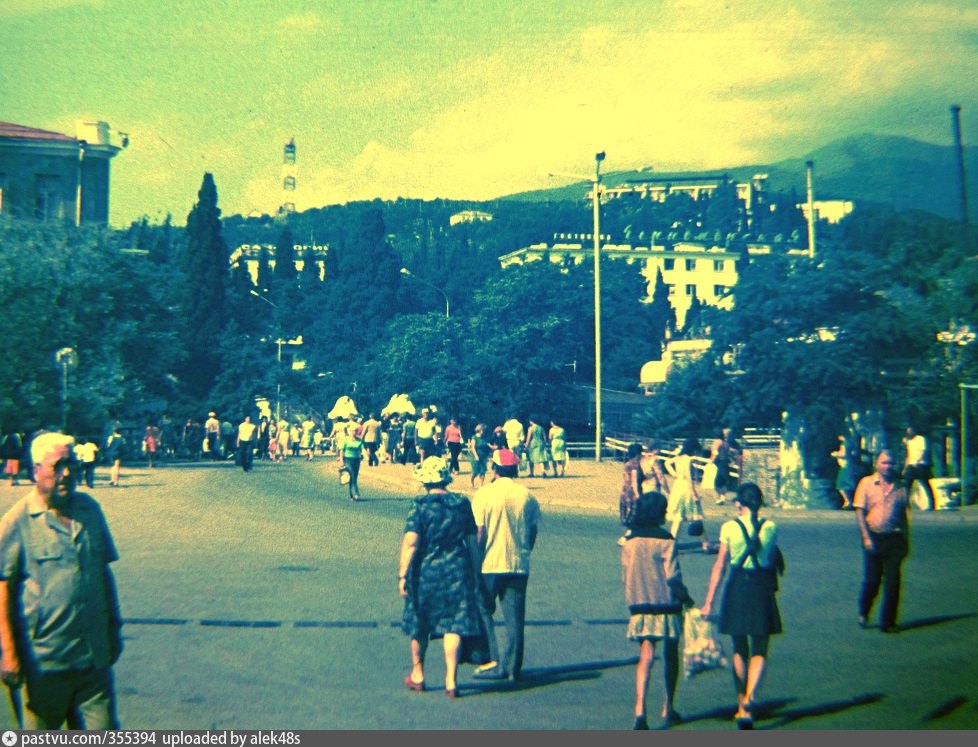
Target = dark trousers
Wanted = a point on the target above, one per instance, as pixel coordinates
(246, 454)
(881, 565)
(212, 445)
(510, 590)
(353, 466)
(90, 474)
(372, 460)
(454, 449)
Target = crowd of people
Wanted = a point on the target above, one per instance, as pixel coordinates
(459, 557)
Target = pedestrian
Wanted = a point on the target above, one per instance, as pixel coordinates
(748, 610)
(480, 451)
(11, 450)
(394, 433)
(371, 439)
(151, 441)
(307, 444)
(883, 515)
(558, 448)
(114, 446)
(409, 447)
(87, 453)
(684, 500)
(352, 456)
(284, 440)
(192, 440)
(507, 517)
(633, 477)
(438, 574)
(850, 470)
(725, 453)
(424, 435)
(212, 434)
(655, 595)
(60, 624)
(245, 443)
(264, 437)
(917, 469)
(454, 441)
(229, 440)
(537, 449)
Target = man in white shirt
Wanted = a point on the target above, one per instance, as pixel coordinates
(506, 517)
(246, 443)
(212, 432)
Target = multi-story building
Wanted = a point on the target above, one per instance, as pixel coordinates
(50, 176)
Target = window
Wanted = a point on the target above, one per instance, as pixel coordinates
(690, 290)
(288, 183)
(48, 204)
(719, 290)
(719, 265)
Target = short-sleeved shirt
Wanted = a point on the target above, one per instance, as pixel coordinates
(425, 428)
(733, 538)
(885, 505)
(509, 515)
(61, 576)
(246, 431)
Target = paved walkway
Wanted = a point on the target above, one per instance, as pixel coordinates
(593, 487)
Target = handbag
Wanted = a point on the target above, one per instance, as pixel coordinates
(696, 528)
(702, 650)
(344, 476)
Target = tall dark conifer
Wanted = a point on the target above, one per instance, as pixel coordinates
(204, 298)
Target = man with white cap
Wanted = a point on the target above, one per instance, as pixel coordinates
(506, 517)
(60, 626)
(212, 432)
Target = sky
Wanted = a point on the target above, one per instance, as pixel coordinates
(472, 99)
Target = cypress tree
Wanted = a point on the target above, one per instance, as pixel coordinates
(203, 304)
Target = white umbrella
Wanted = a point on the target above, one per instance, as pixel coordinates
(344, 408)
(399, 403)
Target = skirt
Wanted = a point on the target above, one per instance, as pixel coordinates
(749, 606)
(654, 627)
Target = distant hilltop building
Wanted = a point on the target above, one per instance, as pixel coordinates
(470, 216)
(831, 211)
(657, 189)
(49, 176)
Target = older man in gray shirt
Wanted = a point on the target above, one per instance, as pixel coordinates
(60, 627)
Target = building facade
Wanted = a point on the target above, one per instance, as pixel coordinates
(49, 176)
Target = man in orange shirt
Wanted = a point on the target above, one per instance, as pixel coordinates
(883, 515)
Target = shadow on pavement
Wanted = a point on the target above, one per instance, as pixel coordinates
(545, 676)
(726, 713)
(782, 719)
(925, 622)
(945, 709)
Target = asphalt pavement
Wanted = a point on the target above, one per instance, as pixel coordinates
(268, 600)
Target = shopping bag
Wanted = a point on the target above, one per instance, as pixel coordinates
(701, 648)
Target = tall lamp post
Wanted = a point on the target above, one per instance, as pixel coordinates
(67, 358)
(278, 377)
(596, 202)
(408, 274)
(964, 440)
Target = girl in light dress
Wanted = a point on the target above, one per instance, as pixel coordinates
(684, 500)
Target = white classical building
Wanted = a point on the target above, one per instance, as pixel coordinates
(687, 268)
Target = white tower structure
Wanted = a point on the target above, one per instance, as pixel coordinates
(289, 182)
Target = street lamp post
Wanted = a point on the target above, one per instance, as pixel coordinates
(964, 440)
(596, 203)
(408, 274)
(278, 377)
(67, 358)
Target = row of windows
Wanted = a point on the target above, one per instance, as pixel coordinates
(719, 265)
(690, 289)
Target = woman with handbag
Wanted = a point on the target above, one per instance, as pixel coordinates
(656, 596)
(748, 611)
(438, 575)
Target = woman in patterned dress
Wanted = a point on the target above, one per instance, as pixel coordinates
(439, 572)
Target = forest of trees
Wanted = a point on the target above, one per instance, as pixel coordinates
(164, 326)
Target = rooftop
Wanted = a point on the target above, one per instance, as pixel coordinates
(11, 130)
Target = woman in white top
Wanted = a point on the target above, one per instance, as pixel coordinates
(684, 500)
(748, 611)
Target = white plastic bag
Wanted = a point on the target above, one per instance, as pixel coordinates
(701, 648)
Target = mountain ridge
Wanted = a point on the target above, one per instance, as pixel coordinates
(866, 167)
